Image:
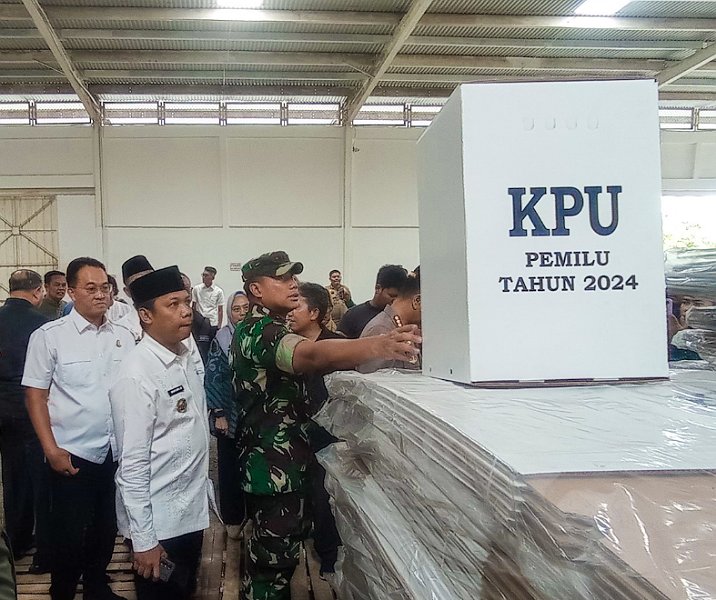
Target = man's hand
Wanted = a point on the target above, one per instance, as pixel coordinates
(146, 563)
(61, 462)
(400, 344)
(222, 425)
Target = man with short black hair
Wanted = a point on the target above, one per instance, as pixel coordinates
(56, 287)
(387, 283)
(406, 309)
(269, 362)
(132, 269)
(208, 298)
(69, 367)
(23, 477)
(159, 412)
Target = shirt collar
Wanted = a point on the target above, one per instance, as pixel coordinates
(18, 302)
(83, 324)
(257, 310)
(162, 352)
(390, 311)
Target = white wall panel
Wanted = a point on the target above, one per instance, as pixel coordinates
(78, 235)
(384, 181)
(373, 248)
(48, 157)
(677, 160)
(705, 166)
(58, 158)
(193, 249)
(287, 182)
(162, 182)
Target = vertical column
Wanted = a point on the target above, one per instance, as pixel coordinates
(347, 220)
(100, 212)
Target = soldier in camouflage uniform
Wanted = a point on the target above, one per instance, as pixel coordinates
(273, 415)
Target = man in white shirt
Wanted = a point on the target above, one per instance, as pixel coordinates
(208, 298)
(160, 419)
(117, 308)
(132, 269)
(67, 374)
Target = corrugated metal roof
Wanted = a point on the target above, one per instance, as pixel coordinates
(198, 25)
(685, 8)
(505, 7)
(21, 44)
(148, 66)
(544, 52)
(216, 45)
(561, 33)
(363, 5)
(549, 42)
(229, 95)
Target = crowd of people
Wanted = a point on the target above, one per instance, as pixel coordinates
(107, 408)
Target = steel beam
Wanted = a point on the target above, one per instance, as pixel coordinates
(43, 25)
(686, 66)
(385, 60)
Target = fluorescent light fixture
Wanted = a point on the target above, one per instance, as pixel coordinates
(239, 3)
(601, 8)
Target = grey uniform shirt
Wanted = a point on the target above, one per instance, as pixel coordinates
(383, 323)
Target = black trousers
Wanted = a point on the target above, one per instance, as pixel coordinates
(25, 488)
(231, 495)
(84, 527)
(185, 552)
(326, 538)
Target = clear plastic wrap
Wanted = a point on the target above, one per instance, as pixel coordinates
(590, 493)
(701, 341)
(691, 271)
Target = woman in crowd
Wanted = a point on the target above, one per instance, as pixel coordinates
(222, 414)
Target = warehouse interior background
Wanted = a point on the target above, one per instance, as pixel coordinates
(208, 131)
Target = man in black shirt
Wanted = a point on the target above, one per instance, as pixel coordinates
(389, 280)
(24, 477)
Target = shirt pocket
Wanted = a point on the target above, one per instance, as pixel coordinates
(76, 372)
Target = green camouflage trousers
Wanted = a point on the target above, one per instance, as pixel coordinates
(280, 525)
(7, 569)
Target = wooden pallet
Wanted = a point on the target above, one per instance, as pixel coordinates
(220, 572)
(37, 587)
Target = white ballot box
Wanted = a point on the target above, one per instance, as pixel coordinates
(540, 234)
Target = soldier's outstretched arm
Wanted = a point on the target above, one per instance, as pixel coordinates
(332, 355)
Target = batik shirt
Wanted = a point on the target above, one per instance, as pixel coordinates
(273, 410)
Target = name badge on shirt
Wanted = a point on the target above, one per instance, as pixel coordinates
(177, 390)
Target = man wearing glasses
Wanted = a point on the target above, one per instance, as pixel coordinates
(68, 373)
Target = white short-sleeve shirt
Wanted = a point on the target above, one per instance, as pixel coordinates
(76, 361)
(118, 310)
(160, 418)
(208, 300)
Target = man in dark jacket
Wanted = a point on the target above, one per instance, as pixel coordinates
(24, 476)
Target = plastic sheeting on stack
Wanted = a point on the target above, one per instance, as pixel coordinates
(691, 273)
(446, 492)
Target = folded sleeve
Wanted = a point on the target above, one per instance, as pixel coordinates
(39, 362)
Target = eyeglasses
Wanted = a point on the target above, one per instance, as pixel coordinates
(93, 290)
